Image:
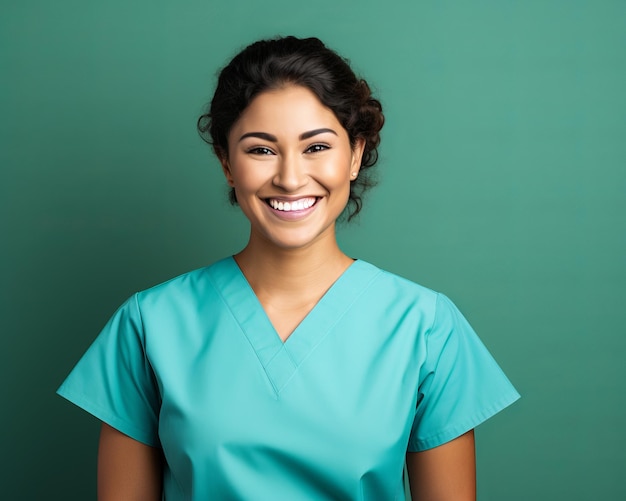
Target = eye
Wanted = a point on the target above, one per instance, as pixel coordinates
(316, 148)
(260, 150)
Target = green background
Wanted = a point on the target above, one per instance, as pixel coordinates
(502, 184)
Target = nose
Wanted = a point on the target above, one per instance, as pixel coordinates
(291, 173)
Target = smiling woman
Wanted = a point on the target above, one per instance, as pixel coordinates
(292, 180)
(309, 64)
(290, 370)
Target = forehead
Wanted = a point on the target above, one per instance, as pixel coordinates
(291, 109)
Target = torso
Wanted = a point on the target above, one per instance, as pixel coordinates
(195, 366)
(305, 411)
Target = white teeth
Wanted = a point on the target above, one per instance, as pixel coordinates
(295, 205)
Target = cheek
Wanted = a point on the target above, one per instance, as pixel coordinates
(247, 178)
(337, 173)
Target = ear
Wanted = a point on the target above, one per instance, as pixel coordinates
(226, 169)
(357, 155)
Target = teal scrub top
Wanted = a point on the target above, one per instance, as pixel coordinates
(380, 366)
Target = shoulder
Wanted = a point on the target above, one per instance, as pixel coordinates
(397, 293)
(393, 293)
(185, 288)
(389, 283)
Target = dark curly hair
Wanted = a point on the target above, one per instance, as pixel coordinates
(271, 64)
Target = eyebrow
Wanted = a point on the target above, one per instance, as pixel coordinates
(274, 139)
(315, 132)
(260, 135)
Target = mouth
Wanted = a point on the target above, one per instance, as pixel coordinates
(296, 205)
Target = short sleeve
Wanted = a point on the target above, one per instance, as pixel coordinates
(460, 384)
(114, 380)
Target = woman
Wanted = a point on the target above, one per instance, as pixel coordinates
(290, 370)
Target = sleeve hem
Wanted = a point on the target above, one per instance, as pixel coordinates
(459, 429)
(112, 420)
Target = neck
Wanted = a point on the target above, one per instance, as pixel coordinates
(279, 270)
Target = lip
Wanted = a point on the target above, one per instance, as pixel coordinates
(294, 215)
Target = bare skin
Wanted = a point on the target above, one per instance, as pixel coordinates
(289, 284)
(127, 470)
(445, 473)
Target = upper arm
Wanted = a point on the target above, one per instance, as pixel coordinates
(127, 469)
(444, 473)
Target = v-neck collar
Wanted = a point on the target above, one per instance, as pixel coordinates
(279, 359)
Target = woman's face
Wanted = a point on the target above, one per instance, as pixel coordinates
(291, 164)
